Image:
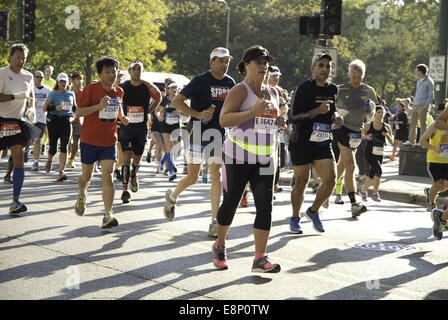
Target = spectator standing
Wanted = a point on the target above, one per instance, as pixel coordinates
(423, 96)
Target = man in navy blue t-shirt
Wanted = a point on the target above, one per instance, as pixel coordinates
(206, 93)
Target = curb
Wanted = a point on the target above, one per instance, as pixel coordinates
(411, 198)
(405, 197)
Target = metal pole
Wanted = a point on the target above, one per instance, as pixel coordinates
(19, 21)
(322, 39)
(228, 21)
(443, 49)
(228, 27)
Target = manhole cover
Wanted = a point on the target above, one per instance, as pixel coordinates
(381, 246)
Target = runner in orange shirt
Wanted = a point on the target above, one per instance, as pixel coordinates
(100, 106)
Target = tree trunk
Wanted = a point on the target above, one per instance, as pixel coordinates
(88, 68)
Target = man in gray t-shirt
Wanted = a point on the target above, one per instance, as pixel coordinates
(355, 102)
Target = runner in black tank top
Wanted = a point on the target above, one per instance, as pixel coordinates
(376, 133)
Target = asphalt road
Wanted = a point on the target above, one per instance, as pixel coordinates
(51, 253)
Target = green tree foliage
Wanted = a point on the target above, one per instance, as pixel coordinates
(178, 35)
(124, 30)
(407, 36)
(191, 32)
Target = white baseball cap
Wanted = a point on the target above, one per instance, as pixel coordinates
(134, 62)
(273, 70)
(62, 76)
(172, 84)
(220, 52)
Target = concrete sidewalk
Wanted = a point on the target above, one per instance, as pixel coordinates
(402, 188)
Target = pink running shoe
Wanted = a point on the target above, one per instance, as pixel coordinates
(220, 257)
(264, 265)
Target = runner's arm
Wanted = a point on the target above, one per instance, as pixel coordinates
(48, 107)
(154, 105)
(179, 103)
(297, 112)
(75, 105)
(389, 134)
(86, 111)
(364, 135)
(424, 139)
(442, 121)
(124, 120)
(156, 96)
(230, 116)
(31, 99)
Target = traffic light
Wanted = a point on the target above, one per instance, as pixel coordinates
(30, 7)
(4, 25)
(333, 17)
(310, 25)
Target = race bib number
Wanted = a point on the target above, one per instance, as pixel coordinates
(171, 118)
(136, 114)
(377, 151)
(110, 112)
(40, 97)
(67, 105)
(444, 153)
(321, 132)
(354, 140)
(267, 122)
(9, 129)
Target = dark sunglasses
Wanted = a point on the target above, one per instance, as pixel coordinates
(40, 77)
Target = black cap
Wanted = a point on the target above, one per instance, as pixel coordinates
(257, 54)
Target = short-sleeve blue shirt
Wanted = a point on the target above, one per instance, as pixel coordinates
(56, 97)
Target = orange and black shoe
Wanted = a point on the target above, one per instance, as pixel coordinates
(243, 202)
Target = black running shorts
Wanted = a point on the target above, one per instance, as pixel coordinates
(133, 138)
(303, 153)
(438, 171)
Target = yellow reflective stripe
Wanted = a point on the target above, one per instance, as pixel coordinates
(252, 148)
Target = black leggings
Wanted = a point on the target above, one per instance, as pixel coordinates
(235, 178)
(375, 163)
(59, 129)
